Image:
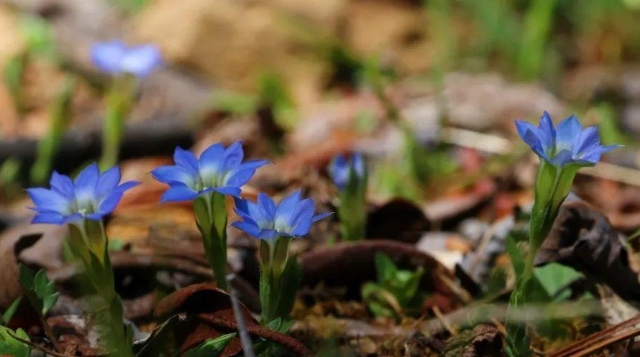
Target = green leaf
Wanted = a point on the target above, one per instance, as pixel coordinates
(289, 284)
(9, 346)
(553, 277)
(211, 348)
(39, 290)
(373, 296)
(8, 314)
(385, 267)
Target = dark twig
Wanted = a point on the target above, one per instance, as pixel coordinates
(596, 339)
(38, 347)
(245, 338)
(49, 333)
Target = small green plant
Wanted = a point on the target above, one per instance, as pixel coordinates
(395, 291)
(350, 177)
(211, 348)
(10, 346)
(562, 152)
(126, 65)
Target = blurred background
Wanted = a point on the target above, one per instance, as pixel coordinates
(315, 77)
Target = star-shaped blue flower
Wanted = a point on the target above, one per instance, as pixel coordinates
(91, 196)
(266, 220)
(217, 170)
(568, 144)
(115, 58)
(340, 169)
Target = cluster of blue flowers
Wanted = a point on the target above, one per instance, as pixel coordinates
(93, 195)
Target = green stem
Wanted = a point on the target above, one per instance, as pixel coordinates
(119, 103)
(104, 306)
(352, 214)
(279, 279)
(552, 186)
(211, 216)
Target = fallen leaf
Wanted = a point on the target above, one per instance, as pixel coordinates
(209, 314)
(584, 239)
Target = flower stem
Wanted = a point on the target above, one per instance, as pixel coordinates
(88, 243)
(211, 216)
(552, 186)
(279, 279)
(119, 103)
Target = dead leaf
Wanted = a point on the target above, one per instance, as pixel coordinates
(397, 219)
(209, 314)
(584, 239)
(349, 265)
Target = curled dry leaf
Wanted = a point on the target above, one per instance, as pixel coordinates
(209, 314)
(349, 265)
(397, 219)
(584, 239)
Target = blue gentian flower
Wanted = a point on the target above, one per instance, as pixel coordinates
(266, 220)
(566, 145)
(218, 170)
(91, 196)
(115, 58)
(340, 168)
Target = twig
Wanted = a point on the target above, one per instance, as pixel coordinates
(49, 333)
(38, 347)
(245, 338)
(629, 334)
(595, 338)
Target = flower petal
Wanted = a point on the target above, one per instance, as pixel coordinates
(248, 227)
(126, 186)
(211, 160)
(357, 161)
(107, 56)
(109, 203)
(530, 137)
(107, 182)
(186, 160)
(228, 190)
(48, 218)
(563, 158)
(238, 178)
(302, 218)
(269, 206)
(318, 217)
(587, 141)
(567, 133)
(285, 211)
(233, 156)
(175, 175)
(86, 183)
(178, 193)
(63, 185)
(141, 60)
(547, 133)
(268, 234)
(49, 201)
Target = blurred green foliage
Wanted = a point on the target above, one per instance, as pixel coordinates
(395, 290)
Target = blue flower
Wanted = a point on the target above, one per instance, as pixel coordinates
(263, 219)
(115, 58)
(568, 144)
(218, 170)
(340, 169)
(91, 196)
